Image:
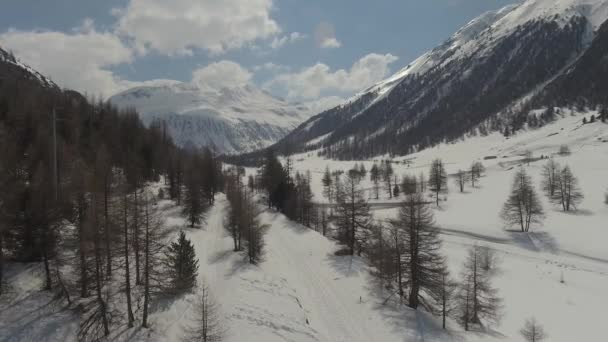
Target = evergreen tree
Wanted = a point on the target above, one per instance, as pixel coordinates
(181, 265)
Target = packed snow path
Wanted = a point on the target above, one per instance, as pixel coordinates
(300, 292)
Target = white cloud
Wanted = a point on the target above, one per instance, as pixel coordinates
(178, 27)
(78, 60)
(271, 67)
(278, 42)
(221, 74)
(325, 36)
(331, 43)
(311, 82)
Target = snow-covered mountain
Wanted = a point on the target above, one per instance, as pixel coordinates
(229, 120)
(12, 69)
(490, 75)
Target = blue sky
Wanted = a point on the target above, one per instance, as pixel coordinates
(303, 50)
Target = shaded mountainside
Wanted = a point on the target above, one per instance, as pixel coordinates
(491, 75)
(230, 120)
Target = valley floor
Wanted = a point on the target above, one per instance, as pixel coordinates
(303, 292)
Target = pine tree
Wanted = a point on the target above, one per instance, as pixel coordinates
(438, 178)
(181, 265)
(523, 207)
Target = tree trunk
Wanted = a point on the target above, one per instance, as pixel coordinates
(146, 269)
(127, 271)
(84, 278)
(101, 302)
(106, 221)
(1, 261)
(47, 268)
(136, 239)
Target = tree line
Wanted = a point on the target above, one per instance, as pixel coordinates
(75, 196)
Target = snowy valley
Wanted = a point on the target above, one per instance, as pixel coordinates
(302, 291)
(464, 198)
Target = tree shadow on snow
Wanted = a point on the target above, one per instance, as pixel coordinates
(346, 265)
(534, 241)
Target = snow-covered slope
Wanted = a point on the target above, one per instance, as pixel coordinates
(568, 246)
(303, 292)
(9, 61)
(229, 120)
(486, 76)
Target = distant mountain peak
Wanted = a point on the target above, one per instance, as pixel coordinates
(230, 119)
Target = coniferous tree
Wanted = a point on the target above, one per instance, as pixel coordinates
(532, 331)
(422, 182)
(126, 248)
(396, 191)
(253, 229)
(438, 179)
(409, 185)
(461, 179)
(375, 178)
(151, 251)
(448, 289)
(568, 193)
(550, 175)
(194, 202)
(327, 185)
(423, 264)
(206, 323)
(352, 215)
(181, 265)
(523, 208)
(477, 299)
(387, 177)
(476, 172)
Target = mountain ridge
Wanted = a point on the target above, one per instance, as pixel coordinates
(481, 79)
(228, 120)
